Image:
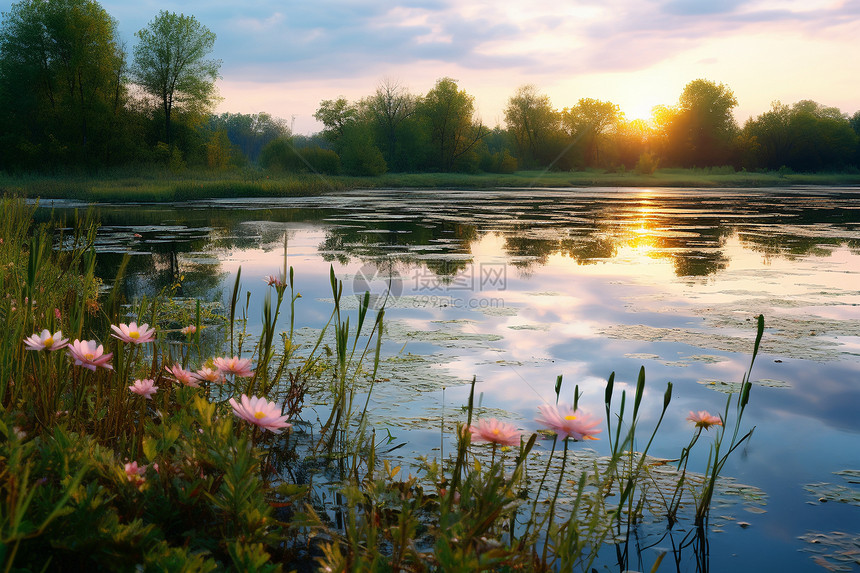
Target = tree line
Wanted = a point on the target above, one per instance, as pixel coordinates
(72, 96)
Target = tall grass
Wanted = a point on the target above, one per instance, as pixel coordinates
(94, 475)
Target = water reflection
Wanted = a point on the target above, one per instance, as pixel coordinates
(586, 282)
(437, 231)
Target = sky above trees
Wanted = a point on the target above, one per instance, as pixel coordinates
(284, 58)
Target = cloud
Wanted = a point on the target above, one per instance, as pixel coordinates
(496, 45)
(700, 8)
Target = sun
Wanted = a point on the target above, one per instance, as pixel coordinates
(640, 109)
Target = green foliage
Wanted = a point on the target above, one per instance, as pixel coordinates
(249, 133)
(588, 124)
(532, 123)
(499, 162)
(804, 137)
(453, 132)
(390, 113)
(700, 130)
(647, 164)
(280, 155)
(62, 93)
(171, 65)
(358, 155)
(322, 161)
(335, 115)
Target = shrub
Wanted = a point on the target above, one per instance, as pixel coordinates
(319, 160)
(647, 164)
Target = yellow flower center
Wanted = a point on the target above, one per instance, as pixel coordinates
(259, 415)
(49, 341)
(89, 355)
(570, 417)
(134, 334)
(496, 432)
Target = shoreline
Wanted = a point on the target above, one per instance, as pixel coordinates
(161, 186)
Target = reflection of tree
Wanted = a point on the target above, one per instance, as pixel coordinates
(700, 263)
(401, 241)
(588, 249)
(691, 233)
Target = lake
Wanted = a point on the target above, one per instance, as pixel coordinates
(516, 287)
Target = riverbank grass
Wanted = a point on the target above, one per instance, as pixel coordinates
(160, 185)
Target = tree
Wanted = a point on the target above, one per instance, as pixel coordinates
(453, 132)
(61, 88)
(589, 121)
(335, 115)
(701, 128)
(250, 132)
(171, 65)
(532, 121)
(632, 141)
(806, 136)
(389, 110)
(772, 131)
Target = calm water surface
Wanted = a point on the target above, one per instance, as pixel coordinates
(516, 287)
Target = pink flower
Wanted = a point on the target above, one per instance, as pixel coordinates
(183, 376)
(495, 432)
(190, 329)
(568, 423)
(132, 333)
(260, 412)
(209, 375)
(240, 367)
(134, 473)
(46, 341)
(275, 281)
(144, 387)
(705, 420)
(90, 354)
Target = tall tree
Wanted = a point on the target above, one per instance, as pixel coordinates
(589, 122)
(61, 83)
(335, 115)
(171, 64)
(532, 121)
(454, 133)
(389, 109)
(701, 129)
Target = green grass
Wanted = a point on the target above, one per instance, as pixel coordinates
(160, 185)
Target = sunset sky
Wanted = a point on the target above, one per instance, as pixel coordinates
(284, 57)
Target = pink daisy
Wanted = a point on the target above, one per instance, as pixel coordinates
(240, 367)
(46, 341)
(260, 412)
(132, 333)
(704, 419)
(209, 375)
(90, 354)
(144, 387)
(568, 423)
(495, 432)
(190, 329)
(183, 376)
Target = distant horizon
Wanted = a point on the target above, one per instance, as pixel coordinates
(634, 54)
